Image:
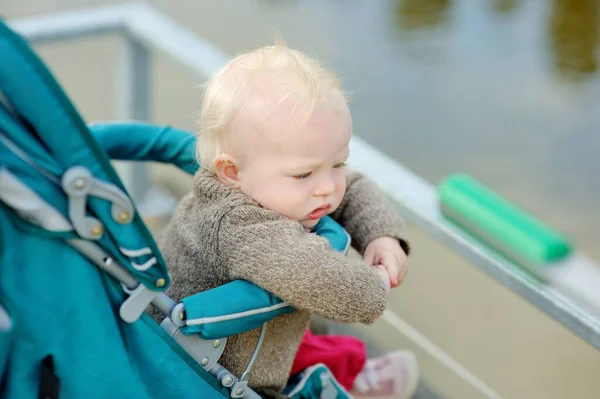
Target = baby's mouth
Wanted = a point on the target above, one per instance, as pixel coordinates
(319, 212)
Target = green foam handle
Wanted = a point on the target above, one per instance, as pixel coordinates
(500, 224)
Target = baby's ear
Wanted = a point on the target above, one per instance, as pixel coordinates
(227, 170)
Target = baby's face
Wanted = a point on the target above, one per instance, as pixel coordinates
(300, 173)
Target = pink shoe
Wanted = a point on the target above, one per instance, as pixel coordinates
(394, 375)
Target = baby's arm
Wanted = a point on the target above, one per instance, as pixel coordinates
(276, 254)
(367, 214)
(376, 229)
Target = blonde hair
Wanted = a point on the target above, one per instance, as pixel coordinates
(238, 89)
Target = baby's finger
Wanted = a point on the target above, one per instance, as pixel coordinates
(390, 262)
(402, 261)
(403, 273)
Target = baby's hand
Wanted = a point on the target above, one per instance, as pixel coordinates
(387, 252)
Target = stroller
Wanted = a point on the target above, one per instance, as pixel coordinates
(79, 269)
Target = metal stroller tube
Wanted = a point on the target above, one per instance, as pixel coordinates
(261, 338)
(161, 301)
(164, 304)
(104, 262)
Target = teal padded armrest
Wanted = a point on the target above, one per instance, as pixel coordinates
(139, 141)
(334, 233)
(213, 314)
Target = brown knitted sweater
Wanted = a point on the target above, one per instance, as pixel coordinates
(218, 234)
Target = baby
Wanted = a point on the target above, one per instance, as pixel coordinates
(273, 142)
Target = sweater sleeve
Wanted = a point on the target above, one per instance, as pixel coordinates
(367, 214)
(276, 254)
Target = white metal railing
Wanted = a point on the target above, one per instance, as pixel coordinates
(146, 30)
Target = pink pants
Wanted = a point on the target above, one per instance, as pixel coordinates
(344, 356)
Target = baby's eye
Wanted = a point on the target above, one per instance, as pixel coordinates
(340, 165)
(303, 176)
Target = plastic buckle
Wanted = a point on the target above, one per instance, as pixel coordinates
(139, 299)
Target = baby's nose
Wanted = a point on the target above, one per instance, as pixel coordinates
(324, 188)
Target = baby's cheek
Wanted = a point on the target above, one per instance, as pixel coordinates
(275, 201)
(340, 190)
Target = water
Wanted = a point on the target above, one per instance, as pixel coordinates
(506, 90)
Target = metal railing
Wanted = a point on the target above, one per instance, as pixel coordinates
(145, 30)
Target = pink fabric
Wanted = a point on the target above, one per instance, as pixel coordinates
(344, 356)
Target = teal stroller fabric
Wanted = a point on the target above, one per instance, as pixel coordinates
(62, 332)
(65, 314)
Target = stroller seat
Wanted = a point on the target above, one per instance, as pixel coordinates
(79, 268)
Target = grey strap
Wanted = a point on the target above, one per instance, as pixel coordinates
(26, 158)
(29, 205)
(5, 321)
